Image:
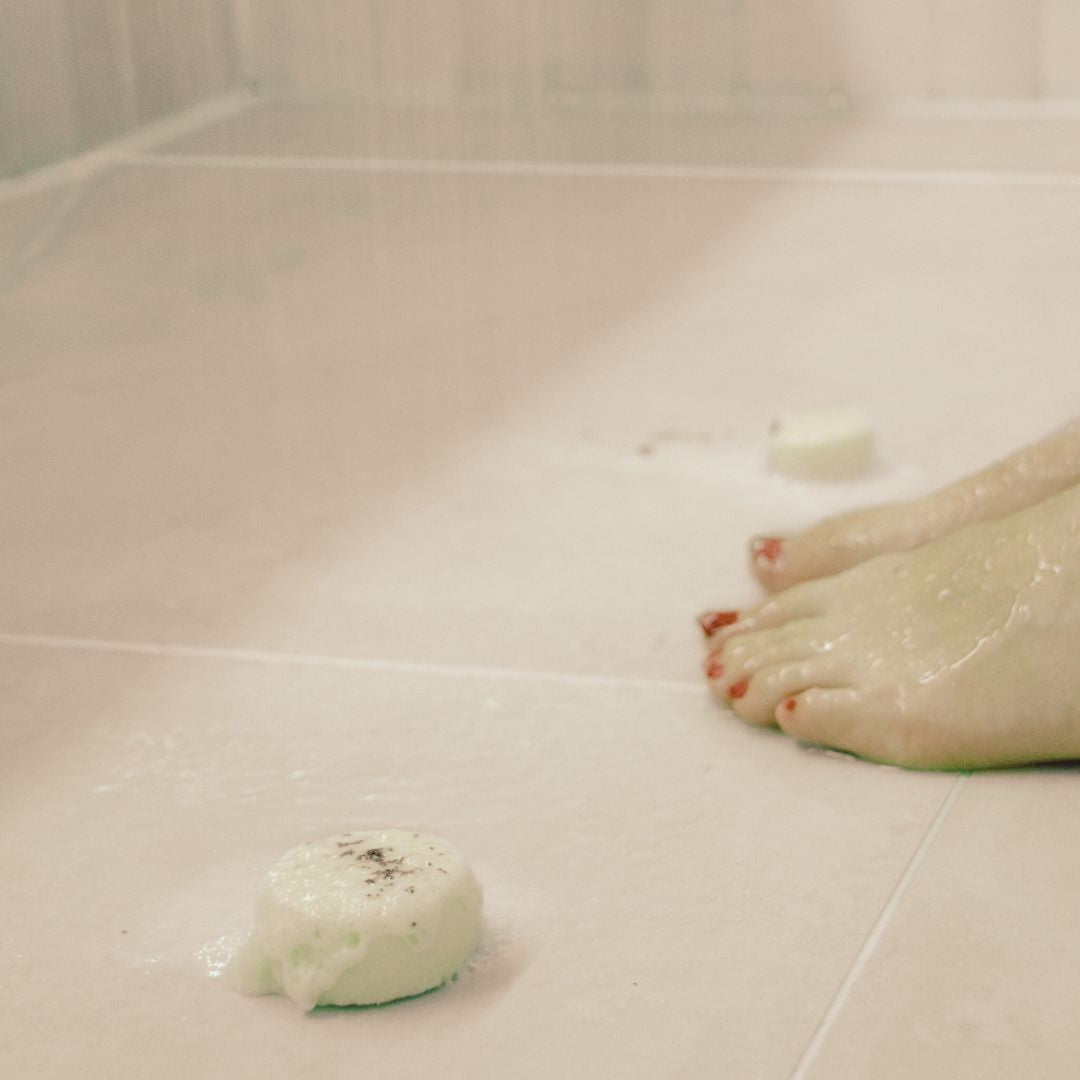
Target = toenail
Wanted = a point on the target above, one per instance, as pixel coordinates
(739, 689)
(712, 621)
(768, 548)
(714, 667)
(789, 704)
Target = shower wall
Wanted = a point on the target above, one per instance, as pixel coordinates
(74, 73)
(677, 54)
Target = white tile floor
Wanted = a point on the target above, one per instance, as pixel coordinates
(338, 496)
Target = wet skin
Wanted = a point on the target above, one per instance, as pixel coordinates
(960, 651)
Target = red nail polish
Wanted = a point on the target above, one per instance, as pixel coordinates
(789, 704)
(712, 621)
(768, 548)
(714, 668)
(739, 689)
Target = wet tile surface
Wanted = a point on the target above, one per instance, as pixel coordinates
(430, 474)
(489, 420)
(977, 974)
(660, 885)
(21, 216)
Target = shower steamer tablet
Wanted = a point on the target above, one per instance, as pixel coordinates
(821, 445)
(360, 919)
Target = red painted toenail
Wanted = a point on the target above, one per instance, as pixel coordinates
(789, 704)
(712, 621)
(768, 548)
(739, 689)
(714, 668)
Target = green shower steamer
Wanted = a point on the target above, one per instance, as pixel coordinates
(360, 919)
(825, 445)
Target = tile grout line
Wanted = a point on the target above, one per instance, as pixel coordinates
(141, 140)
(607, 170)
(346, 663)
(40, 239)
(862, 958)
(75, 175)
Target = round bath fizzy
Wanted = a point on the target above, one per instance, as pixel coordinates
(821, 445)
(360, 919)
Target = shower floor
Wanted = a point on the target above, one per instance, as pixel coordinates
(364, 470)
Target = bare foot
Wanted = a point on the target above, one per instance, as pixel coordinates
(964, 653)
(835, 544)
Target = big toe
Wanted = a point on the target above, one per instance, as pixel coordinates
(770, 560)
(838, 543)
(780, 562)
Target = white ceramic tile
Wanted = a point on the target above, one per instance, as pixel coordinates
(687, 53)
(320, 51)
(985, 48)
(884, 49)
(985, 145)
(416, 50)
(512, 422)
(20, 218)
(977, 975)
(248, 36)
(1059, 38)
(518, 53)
(182, 52)
(375, 50)
(504, 53)
(359, 418)
(571, 135)
(671, 894)
(402, 416)
(787, 48)
(37, 118)
(262, 36)
(911, 143)
(835, 52)
(74, 73)
(101, 73)
(691, 52)
(595, 50)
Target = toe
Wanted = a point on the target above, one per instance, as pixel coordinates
(780, 564)
(769, 560)
(820, 715)
(772, 684)
(800, 602)
(745, 654)
(874, 729)
(712, 621)
(866, 726)
(835, 544)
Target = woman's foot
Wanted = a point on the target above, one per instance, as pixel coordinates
(964, 653)
(836, 544)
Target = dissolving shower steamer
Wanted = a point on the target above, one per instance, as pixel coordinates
(360, 919)
(821, 445)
